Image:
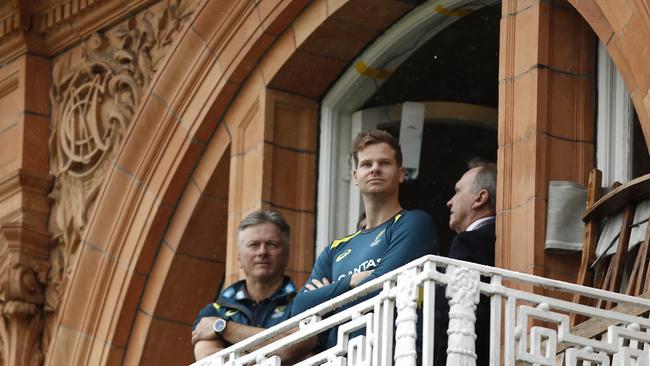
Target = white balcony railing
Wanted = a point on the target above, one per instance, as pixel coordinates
(526, 328)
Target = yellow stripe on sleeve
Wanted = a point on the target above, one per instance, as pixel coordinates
(338, 242)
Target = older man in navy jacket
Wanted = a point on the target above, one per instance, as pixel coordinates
(472, 216)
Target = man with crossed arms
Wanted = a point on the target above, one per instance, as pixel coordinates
(392, 236)
(262, 299)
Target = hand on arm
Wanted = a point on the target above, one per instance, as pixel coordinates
(357, 278)
(207, 342)
(203, 330)
(204, 348)
(236, 332)
(233, 333)
(315, 283)
(312, 295)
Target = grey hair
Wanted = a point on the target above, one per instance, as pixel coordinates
(262, 217)
(486, 178)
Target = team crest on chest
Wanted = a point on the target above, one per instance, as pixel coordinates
(278, 312)
(377, 238)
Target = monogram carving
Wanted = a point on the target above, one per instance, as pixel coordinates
(95, 91)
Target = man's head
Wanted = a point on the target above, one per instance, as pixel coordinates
(372, 137)
(263, 246)
(475, 195)
(378, 163)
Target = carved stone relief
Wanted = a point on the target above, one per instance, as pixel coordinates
(95, 91)
(22, 278)
(463, 294)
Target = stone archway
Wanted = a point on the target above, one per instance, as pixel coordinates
(278, 58)
(125, 242)
(132, 256)
(188, 267)
(624, 28)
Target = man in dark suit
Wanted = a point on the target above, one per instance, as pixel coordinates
(472, 216)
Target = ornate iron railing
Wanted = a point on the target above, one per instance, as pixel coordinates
(525, 327)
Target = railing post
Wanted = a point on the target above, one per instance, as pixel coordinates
(463, 294)
(384, 314)
(495, 324)
(428, 314)
(626, 341)
(406, 332)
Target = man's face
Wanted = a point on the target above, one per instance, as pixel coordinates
(462, 203)
(377, 171)
(262, 254)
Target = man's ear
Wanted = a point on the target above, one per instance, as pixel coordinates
(354, 177)
(481, 199)
(402, 174)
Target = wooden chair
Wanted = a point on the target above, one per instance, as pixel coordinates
(608, 274)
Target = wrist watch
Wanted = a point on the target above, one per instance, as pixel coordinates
(219, 325)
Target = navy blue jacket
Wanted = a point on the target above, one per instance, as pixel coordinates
(235, 304)
(475, 246)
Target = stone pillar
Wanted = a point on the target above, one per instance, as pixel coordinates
(273, 166)
(463, 294)
(23, 272)
(546, 119)
(24, 184)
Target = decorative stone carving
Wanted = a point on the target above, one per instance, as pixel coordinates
(95, 91)
(463, 294)
(20, 320)
(23, 269)
(406, 321)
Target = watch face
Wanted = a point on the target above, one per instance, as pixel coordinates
(219, 325)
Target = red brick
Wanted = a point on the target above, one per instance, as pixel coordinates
(307, 74)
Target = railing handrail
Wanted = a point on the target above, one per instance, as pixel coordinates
(440, 278)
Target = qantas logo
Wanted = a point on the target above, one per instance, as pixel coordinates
(364, 266)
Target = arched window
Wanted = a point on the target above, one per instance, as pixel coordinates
(445, 60)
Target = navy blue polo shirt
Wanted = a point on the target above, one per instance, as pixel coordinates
(234, 304)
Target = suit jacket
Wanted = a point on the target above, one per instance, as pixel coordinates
(475, 246)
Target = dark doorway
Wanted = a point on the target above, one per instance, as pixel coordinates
(460, 64)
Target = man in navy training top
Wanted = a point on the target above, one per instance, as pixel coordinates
(392, 236)
(262, 299)
(472, 216)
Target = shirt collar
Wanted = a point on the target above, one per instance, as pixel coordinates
(238, 290)
(480, 223)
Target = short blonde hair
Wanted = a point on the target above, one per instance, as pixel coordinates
(372, 137)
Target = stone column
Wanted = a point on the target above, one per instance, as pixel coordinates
(24, 185)
(23, 272)
(463, 294)
(546, 119)
(273, 166)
